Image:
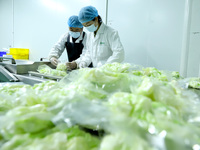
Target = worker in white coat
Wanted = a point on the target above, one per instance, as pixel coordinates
(103, 44)
(73, 42)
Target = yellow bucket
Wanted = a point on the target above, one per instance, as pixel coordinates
(19, 53)
(26, 57)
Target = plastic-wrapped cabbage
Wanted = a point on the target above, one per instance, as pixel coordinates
(24, 119)
(92, 114)
(129, 104)
(158, 74)
(120, 142)
(116, 67)
(16, 142)
(53, 141)
(14, 95)
(106, 80)
(70, 139)
(61, 67)
(6, 103)
(88, 90)
(45, 86)
(44, 69)
(55, 72)
(137, 72)
(14, 88)
(176, 75)
(155, 73)
(194, 83)
(83, 143)
(126, 134)
(151, 72)
(161, 130)
(161, 92)
(133, 137)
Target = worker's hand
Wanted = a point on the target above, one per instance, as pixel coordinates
(54, 61)
(82, 64)
(71, 65)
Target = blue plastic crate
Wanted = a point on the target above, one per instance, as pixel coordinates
(2, 53)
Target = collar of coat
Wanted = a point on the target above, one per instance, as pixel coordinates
(101, 28)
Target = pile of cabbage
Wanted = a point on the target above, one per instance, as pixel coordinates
(194, 83)
(60, 71)
(114, 107)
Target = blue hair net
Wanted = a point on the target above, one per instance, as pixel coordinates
(87, 14)
(74, 22)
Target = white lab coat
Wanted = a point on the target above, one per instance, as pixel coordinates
(105, 47)
(59, 47)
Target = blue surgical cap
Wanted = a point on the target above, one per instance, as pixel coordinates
(74, 22)
(87, 14)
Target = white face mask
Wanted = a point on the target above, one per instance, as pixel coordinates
(74, 34)
(91, 28)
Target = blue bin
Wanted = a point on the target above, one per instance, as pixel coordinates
(2, 53)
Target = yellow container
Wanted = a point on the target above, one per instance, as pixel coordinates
(19, 53)
(26, 57)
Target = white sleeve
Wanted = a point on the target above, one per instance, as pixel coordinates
(59, 47)
(116, 47)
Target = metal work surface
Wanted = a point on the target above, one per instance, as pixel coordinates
(12, 70)
(6, 76)
(43, 76)
(31, 80)
(23, 66)
(12, 60)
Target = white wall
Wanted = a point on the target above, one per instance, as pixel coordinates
(193, 66)
(151, 31)
(6, 23)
